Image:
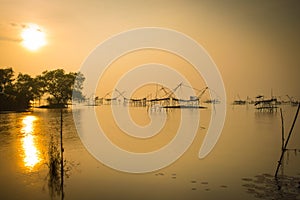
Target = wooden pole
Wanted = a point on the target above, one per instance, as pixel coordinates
(287, 141)
(282, 138)
(61, 155)
(282, 130)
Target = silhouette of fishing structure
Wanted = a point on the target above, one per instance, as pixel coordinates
(163, 98)
(239, 101)
(292, 101)
(266, 105)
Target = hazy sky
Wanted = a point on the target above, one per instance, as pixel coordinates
(255, 44)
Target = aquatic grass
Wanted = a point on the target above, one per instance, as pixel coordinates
(54, 166)
(58, 166)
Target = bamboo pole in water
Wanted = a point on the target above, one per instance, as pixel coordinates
(287, 141)
(61, 155)
(282, 130)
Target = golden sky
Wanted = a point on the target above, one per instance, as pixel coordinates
(255, 44)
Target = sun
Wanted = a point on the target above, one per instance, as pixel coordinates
(33, 37)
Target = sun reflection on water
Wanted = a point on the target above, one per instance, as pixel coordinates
(31, 153)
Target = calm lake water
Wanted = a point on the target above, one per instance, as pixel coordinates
(240, 166)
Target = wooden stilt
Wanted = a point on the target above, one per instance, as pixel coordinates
(61, 155)
(287, 141)
(282, 130)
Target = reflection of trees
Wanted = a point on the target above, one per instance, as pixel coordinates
(16, 94)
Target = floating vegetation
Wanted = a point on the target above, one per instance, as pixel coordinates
(247, 179)
(224, 186)
(159, 174)
(265, 186)
(173, 176)
(196, 184)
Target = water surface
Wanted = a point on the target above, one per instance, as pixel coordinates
(241, 165)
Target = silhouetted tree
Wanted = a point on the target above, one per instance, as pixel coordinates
(38, 88)
(24, 89)
(18, 94)
(61, 85)
(6, 79)
(7, 97)
(77, 89)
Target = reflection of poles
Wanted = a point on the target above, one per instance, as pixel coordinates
(287, 141)
(61, 156)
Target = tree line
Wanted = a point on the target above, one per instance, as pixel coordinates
(17, 93)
